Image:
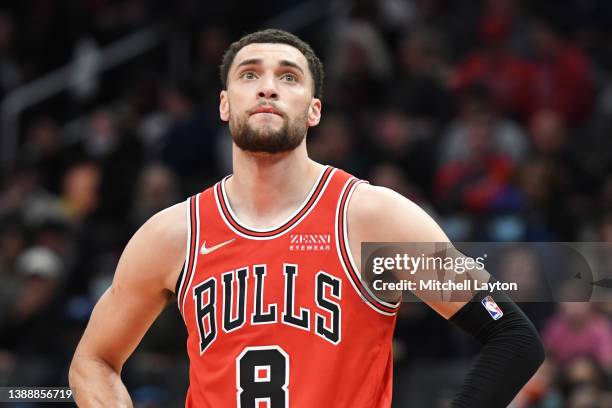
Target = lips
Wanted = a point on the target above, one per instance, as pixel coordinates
(266, 109)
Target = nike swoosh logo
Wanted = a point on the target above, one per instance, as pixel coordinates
(206, 251)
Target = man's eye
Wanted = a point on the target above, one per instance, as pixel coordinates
(289, 77)
(248, 75)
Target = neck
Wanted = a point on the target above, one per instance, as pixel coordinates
(266, 188)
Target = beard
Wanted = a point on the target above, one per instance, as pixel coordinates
(267, 140)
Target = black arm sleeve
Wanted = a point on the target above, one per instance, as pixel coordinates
(512, 351)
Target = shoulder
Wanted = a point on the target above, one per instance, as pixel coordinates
(157, 250)
(381, 214)
(168, 225)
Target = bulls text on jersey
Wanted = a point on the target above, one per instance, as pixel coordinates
(211, 294)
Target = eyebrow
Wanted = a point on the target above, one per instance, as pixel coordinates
(285, 63)
(258, 61)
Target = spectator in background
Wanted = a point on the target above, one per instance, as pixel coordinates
(548, 134)
(157, 189)
(358, 63)
(40, 271)
(419, 105)
(584, 383)
(25, 199)
(33, 316)
(110, 142)
(549, 181)
(544, 208)
(80, 194)
(101, 135)
(44, 150)
(478, 155)
(562, 78)
(577, 330)
(505, 74)
(479, 131)
(540, 391)
(189, 141)
(405, 141)
(333, 142)
(172, 106)
(586, 396)
(523, 265)
(391, 176)
(12, 243)
(419, 88)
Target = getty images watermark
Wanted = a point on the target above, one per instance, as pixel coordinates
(404, 263)
(528, 272)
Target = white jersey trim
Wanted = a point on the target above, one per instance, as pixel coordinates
(314, 204)
(196, 252)
(342, 211)
(296, 212)
(187, 251)
(350, 254)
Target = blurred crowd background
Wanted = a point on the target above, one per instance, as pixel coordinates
(493, 115)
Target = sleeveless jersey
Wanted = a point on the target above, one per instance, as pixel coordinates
(279, 317)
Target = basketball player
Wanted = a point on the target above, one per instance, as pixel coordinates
(263, 266)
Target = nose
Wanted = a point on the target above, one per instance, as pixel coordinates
(267, 90)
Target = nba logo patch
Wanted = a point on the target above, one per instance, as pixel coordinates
(491, 307)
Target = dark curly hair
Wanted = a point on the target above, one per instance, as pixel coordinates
(277, 37)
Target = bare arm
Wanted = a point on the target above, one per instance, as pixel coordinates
(143, 284)
(378, 214)
(511, 348)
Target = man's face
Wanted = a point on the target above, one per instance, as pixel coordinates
(269, 101)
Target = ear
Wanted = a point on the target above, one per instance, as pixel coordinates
(223, 106)
(314, 112)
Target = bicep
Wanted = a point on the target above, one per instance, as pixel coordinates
(118, 322)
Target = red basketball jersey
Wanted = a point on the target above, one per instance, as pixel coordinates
(278, 317)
